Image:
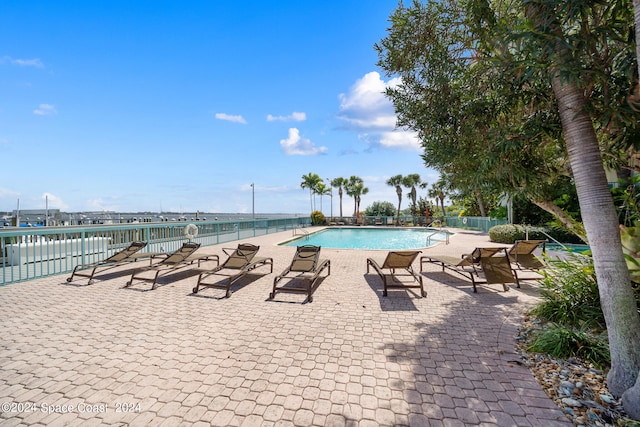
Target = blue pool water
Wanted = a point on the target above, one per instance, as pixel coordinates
(371, 238)
(570, 247)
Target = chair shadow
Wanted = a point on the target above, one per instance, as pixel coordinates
(529, 286)
(295, 283)
(79, 283)
(396, 299)
(450, 280)
(102, 277)
(163, 280)
(236, 286)
(456, 283)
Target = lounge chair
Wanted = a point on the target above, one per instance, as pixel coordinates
(465, 263)
(521, 254)
(305, 266)
(129, 254)
(471, 265)
(397, 260)
(497, 269)
(178, 259)
(240, 261)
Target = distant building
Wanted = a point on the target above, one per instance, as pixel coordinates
(37, 217)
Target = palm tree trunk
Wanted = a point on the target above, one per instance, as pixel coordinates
(601, 224)
(631, 397)
(399, 193)
(483, 211)
(636, 14)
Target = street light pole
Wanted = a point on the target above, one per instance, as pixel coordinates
(253, 201)
(331, 196)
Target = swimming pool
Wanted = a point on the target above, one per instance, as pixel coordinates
(372, 238)
(568, 247)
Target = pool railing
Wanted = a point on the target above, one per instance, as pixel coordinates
(437, 233)
(35, 252)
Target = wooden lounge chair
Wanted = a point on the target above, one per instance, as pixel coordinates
(306, 267)
(521, 254)
(129, 254)
(240, 261)
(178, 259)
(471, 265)
(397, 260)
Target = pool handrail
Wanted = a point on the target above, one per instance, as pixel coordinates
(304, 232)
(446, 233)
(546, 234)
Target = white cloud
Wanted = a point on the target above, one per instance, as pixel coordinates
(22, 62)
(366, 108)
(45, 110)
(266, 188)
(296, 145)
(367, 122)
(293, 117)
(365, 105)
(231, 118)
(4, 141)
(8, 193)
(403, 140)
(54, 202)
(28, 63)
(100, 205)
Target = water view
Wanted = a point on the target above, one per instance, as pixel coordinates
(53, 217)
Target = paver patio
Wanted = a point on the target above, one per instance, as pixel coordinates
(137, 357)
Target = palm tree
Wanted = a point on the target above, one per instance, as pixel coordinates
(437, 192)
(396, 181)
(311, 182)
(600, 221)
(339, 183)
(361, 190)
(322, 190)
(410, 181)
(601, 224)
(355, 188)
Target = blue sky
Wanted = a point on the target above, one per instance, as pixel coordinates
(181, 105)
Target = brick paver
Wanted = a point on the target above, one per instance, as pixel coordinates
(107, 355)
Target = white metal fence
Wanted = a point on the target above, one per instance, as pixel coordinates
(29, 253)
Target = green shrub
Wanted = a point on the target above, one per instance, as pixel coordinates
(507, 233)
(318, 218)
(564, 342)
(570, 293)
(381, 209)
